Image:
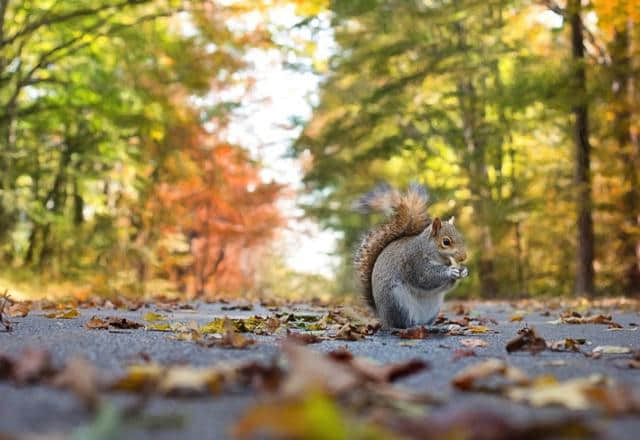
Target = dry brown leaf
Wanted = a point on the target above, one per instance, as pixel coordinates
(527, 340)
(473, 342)
(485, 424)
(233, 339)
(577, 318)
(348, 332)
(467, 379)
(304, 338)
(630, 363)
(32, 366)
(310, 370)
(18, 310)
(376, 372)
(97, 323)
(412, 333)
(82, 379)
(459, 354)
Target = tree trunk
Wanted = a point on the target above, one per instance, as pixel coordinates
(475, 162)
(631, 252)
(584, 284)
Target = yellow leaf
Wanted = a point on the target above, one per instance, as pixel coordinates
(69, 314)
(215, 326)
(516, 317)
(153, 317)
(160, 327)
(476, 329)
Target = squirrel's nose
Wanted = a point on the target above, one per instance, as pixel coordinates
(461, 256)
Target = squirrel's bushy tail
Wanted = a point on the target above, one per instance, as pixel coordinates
(408, 216)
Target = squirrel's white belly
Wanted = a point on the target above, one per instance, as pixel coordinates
(422, 306)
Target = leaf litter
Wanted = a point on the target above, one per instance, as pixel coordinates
(346, 384)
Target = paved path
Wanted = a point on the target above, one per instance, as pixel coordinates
(40, 409)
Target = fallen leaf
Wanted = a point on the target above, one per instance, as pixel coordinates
(315, 416)
(572, 394)
(239, 306)
(230, 338)
(527, 340)
(339, 372)
(174, 380)
(467, 379)
(96, 323)
(632, 363)
(348, 332)
(304, 338)
(516, 317)
(555, 363)
(459, 354)
(159, 327)
(412, 333)
(477, 329)
(82, 379)
(63, 314)
(32, 366)
(18, 310)
(375, 372)
(577, 318)
(631, 328)
(473, 342)
(568, 344)
(215, 326)
(154, 317)
(484, 424)
(233, 339)
(610, 349)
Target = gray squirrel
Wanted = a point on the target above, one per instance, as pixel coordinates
(408, 264)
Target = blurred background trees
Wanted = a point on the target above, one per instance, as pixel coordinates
(114, 168)
(521, 116)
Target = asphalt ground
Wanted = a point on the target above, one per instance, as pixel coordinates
(44, 410)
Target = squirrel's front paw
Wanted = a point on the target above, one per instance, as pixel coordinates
(458, 272)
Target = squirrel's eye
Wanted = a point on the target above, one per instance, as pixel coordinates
(446, 241)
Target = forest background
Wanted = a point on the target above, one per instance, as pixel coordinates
(118, 173)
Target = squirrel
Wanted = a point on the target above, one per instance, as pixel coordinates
(408, 264)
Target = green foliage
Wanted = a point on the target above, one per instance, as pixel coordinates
(474, 100)
(97, 118)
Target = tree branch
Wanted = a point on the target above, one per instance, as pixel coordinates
(46, 21)
(45, 59)
(4, 4)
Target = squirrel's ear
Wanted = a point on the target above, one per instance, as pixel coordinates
(435, 226)
(452, 220)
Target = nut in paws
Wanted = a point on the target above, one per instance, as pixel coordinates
(458, 272)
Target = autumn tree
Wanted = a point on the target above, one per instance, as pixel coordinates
(105, 105)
